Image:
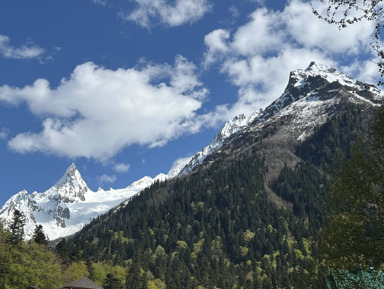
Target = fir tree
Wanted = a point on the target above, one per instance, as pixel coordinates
(39, 237)
(16, 227)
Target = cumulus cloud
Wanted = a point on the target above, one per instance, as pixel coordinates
(310, 32)
(217, 46)
(171, 13)
(96, 112)
(258, 56)
(121, 168)
(27, 51)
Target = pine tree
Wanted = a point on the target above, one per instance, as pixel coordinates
(63, 249)
(16, 227)
(38, 236)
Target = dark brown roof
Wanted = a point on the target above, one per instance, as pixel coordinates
(83, 283)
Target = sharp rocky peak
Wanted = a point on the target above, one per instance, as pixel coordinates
(70, 187)
(319, 81)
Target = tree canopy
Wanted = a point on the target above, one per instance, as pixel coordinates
(354, 234)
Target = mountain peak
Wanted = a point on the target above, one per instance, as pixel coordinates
(71, 185)
(316, 67)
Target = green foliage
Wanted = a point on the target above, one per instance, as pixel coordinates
(354, 234)
(39, 237)
(16, 227)
(63, 250)
(112, 282)
(75, 271)
(27, 264)
(212, 229)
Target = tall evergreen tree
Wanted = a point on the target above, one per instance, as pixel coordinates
(62, 248)
(39, 236)
(16, 227)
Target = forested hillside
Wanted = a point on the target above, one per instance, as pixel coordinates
(229, 224)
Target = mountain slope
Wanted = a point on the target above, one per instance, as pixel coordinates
(248, 214)
(312, 97)
(219, 225)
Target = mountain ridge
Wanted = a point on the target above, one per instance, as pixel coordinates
(311, 97)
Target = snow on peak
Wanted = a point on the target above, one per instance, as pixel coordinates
(177, 166)
(232, 128)
(312, 96)
(69, 204)
(71, 174)
(299, 77)
(70, 187)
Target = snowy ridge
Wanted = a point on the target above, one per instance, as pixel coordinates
(311, 97)
(230, 129)
(69, 204)
(319, 80)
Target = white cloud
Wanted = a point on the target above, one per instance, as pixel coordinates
(366, 71)
(172, 13)
(121, 168)
(263, 33)
(258, 56)
(217, 45)
(97, 112)
(311, 32)
(107, 179)
(24, 52)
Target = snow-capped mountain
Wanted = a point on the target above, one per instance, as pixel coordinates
(69, 204)
(230, 130)
(311, 97)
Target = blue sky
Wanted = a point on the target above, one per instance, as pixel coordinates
(123, 88)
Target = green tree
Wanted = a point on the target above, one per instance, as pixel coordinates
(75, 271)
(39, 236)
(4, 254)
(136, 277)
(112, 282)
(16, 227)
(353, 236)
(31, 264)
(63, 249)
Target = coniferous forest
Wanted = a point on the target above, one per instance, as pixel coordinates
(225, 225)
